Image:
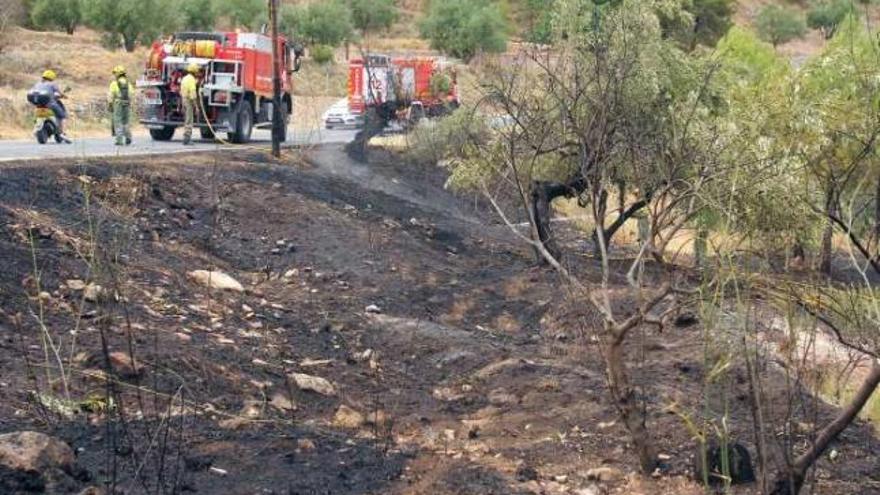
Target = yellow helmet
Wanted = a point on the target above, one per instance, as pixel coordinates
(118, 70)
(49, 75)
(193, 68)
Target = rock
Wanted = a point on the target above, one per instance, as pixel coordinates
(215, 280)
(305, 444)
(282, 402)
(313, 383)
(501, 397)
(233, 423)
(447, 394)
(124, 366)
(377, 418)
(739, 463)
(347, 417)
(586, 491)
(525, 473)
(604, 473)
(75, 284)
(373, 309)
(29, 460)
(686, 319)
(92, 490)
(94, 293)
(197, 462)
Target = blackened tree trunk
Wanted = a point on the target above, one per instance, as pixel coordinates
(541, 198)
(375, 121)
(791, 482)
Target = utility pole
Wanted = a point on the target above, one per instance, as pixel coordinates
(278, 131)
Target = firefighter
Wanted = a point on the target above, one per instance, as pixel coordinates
(189, 92)
(119, 101)
(48, 85)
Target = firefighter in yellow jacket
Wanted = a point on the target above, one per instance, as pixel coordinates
(189, 92)
(119, 99)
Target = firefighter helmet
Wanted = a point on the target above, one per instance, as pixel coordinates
(119, 71)
(49, 75)
(193, 68)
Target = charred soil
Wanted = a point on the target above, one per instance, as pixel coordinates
(465, 369)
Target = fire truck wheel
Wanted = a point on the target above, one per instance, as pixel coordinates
(163, 134)
(244, 124)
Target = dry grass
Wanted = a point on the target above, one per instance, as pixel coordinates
(84, 65)
(81, 63)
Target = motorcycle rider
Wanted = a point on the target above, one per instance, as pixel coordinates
(119, 102)
(48, 85)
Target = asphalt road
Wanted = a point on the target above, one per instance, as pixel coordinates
(143, 145)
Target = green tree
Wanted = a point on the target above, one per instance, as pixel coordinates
(325, 23)
(697, 22)
(373, 15)
(463, 28)
(778, 25)
(712, 20)
(127, 22)
(539, 21)
(826, 15)
(61, 14)
(198, 15)
(248, 14)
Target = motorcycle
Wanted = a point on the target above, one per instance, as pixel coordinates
(45, 121)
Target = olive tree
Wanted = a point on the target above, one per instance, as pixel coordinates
(777, 24)
(127, 22)
(198, 15)
(826, 15)
(373, 15)
(61, 14)
(463, 28)
(618, 117)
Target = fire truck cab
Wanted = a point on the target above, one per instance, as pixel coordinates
(235, 83)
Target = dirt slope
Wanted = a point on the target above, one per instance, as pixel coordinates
(477, 376)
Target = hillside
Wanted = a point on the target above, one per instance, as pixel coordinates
(454, 365)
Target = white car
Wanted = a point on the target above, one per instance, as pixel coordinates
(339, 116)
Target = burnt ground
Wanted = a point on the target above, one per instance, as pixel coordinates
(478, 377)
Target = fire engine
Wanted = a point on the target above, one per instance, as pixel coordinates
(235, 83)
(403, 88)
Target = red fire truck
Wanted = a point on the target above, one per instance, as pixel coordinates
(404, 88)
(235, 83)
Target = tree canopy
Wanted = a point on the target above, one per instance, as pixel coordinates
(326, 23)
(61, 14)
(777, 24)
(463, 28)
